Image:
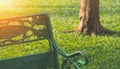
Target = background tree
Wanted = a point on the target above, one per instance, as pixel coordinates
(89, 23)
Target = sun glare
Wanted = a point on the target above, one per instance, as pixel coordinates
(11, 3)
(12, 7)
(6, 3)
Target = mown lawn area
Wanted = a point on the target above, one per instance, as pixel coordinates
(103, 50)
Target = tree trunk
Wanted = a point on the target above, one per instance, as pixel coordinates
(89, 23)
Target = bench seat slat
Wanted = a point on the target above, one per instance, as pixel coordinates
(38, 61)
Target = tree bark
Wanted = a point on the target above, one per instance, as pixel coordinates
(89, 23)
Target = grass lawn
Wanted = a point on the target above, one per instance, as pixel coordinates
(103, 50)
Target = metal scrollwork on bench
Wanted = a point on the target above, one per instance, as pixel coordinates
(23, 29)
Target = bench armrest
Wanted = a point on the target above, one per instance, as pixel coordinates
(76, 59)
(76, 55)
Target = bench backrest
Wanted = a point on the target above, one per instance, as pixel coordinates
(25, 29)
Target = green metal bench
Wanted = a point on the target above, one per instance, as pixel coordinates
(31, 28)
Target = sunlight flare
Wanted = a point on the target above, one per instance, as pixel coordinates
(11, 3)
(11, 7)
(6, 3)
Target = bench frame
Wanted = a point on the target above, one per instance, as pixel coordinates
(32, 61)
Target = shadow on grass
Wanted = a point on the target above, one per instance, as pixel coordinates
(110, 33)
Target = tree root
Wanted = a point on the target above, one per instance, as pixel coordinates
(102, 31)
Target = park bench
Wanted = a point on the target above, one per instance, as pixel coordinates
(17, 31)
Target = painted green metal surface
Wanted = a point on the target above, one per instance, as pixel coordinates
(39, 27)
(38, 61)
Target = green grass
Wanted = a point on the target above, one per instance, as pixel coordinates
(103, 50)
